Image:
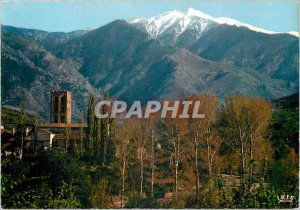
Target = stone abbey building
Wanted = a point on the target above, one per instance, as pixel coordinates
(60, 133)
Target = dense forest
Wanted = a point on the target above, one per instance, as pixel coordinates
(243, 154)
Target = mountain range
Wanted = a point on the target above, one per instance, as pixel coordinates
(171, 55)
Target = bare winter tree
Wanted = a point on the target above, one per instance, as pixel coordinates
(258, 116)
(140, 140)
(240, 124)
(201, 134)
(151, 145)
(174, 131)
(123, 136)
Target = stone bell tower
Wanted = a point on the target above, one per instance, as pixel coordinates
(61, 104)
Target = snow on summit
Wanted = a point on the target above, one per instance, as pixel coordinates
(177, 22)
(174, 21)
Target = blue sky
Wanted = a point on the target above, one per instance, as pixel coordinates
(275, 15)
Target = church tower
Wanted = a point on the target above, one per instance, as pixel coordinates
(61, 103)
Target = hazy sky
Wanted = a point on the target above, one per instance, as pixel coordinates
(275, 15)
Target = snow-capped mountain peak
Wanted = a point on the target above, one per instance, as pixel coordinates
(177, 22)
(295, 33)
(225, 20)
(197, 13)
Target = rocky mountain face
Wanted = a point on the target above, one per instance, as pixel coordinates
(226, 40)
(168, 56)
(30, 72)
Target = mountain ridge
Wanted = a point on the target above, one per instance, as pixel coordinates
(157, 24)
(125, 61)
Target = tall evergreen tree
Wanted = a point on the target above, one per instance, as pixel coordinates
(104, 134)
(111, 142)
(90, 123)
(81, 132)
(36, 124)
(23, 127)
(67, 133)
(97, 137)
